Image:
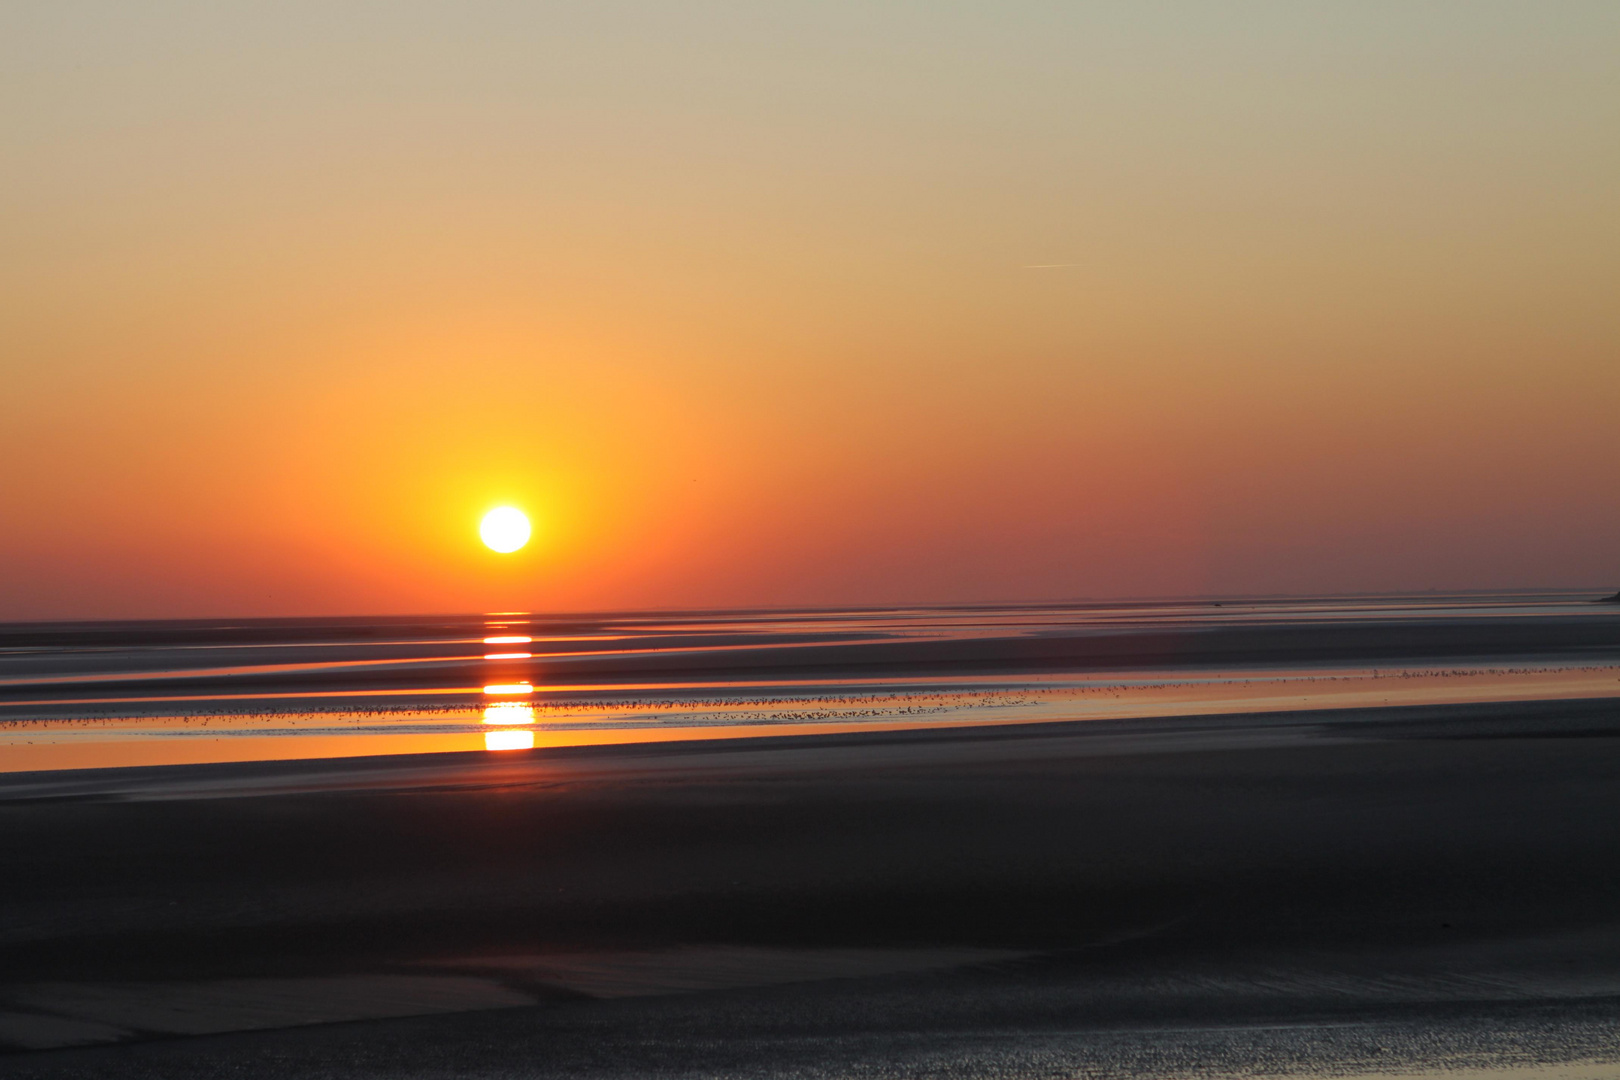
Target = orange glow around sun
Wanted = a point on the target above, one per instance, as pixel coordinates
(1318, 344)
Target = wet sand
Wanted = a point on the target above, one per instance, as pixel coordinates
(1378, 889)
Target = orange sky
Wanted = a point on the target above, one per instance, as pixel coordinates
(756, 304)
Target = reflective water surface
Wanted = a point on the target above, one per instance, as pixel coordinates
(89, 695)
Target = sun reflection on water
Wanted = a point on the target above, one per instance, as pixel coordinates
(512, 720)
(509, 712)
(509, 739)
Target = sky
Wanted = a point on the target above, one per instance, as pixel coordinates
(803, 303)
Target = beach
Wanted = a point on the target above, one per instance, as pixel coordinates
(803, 539)
(1372, 888)
(879, 891)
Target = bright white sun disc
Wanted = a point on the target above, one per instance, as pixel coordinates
(504, 529)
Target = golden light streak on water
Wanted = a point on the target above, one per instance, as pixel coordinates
(509, 712)
(509, 739)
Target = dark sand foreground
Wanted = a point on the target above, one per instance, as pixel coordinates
(1381, 889)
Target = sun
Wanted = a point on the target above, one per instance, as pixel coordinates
(504, 529)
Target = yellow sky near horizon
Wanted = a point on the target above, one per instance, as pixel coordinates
(803, 304)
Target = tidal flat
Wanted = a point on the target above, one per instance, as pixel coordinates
(1368, 836)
